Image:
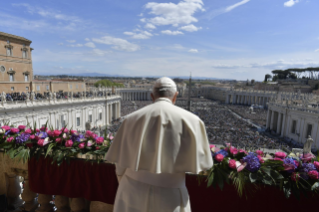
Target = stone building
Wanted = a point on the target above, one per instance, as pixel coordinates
(16, 71)
(74, 86)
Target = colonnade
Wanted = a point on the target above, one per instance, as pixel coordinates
(135, 95)
(245, 99)
(276, 121)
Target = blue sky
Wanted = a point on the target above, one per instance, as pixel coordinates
(237, 39)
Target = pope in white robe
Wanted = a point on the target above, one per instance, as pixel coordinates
(153, 149)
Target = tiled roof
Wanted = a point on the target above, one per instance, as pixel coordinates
(14, 36)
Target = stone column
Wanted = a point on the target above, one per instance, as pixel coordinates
(279, 123)
(268, 119)
(283, 125)
(111, 112)
(272, 120)
(119, 109)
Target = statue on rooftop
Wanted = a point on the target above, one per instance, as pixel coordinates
(307, 145)
(3, 97)
(32, 95)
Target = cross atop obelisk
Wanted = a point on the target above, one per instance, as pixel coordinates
(189, 92)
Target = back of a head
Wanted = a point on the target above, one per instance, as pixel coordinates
(164, 87)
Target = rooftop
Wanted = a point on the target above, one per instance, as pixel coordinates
(14, 36)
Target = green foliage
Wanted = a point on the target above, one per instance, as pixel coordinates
(108, 83)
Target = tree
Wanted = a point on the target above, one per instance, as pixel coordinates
(267, 76)
(252, 81)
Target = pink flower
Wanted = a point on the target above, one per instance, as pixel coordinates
(32, 137)
(65, 130)
(37, 137)
(81, 145)
(89, 133)
(233, 150)
(58, 140)
(97, 148)
(37, 130)
(243, 151)
(109, 136)
(232, 164)
(21, 127)
(219, 157)
(296, 162)
(259, 152)
(43, 129)
(6, 128)
(56, 133)
(14, 130)
(28, 131)
(261, 160)
(306, 157)
(313, 175)
(240, 166)
(50, 133)
(69, 143)
(281, 155)
(211, 146)
(316, 163)
(278, 159)
(99, 140)
(94, 136)
(90, 143)
(295, 176)
(10, 139)
(42, 142)
(73, 131)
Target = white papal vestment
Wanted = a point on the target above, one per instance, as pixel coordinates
(153, 149)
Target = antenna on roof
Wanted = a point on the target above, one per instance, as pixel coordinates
(189, 92)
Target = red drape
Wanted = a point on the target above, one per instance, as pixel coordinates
(98, 182)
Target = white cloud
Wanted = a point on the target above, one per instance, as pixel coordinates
(290, 3)
(87, 39)
(90, 44)
(75, 45)
(48, 13)
(71, 41)
(317, 50)
(141, 35)
(117, 43)
(150, 26)
(60, 44)
(140, 15)
(173, 14)
(100, 52)
(169, 32)
(218, 12)
(193, 51)
(178, 46)
(230, 8)
(190, 28)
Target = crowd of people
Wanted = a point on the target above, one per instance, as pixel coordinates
(23, 96)
(223, 126)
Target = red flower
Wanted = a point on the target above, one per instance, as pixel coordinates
(219, 157)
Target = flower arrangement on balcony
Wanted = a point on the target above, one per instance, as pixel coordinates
(61, 145)
(294, 174)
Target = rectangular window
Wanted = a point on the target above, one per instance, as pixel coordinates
(47, 87)
(9, 52)
(12, 88)
(11, 77)
(309, 130)
(27, 88)
(38, 87)
(78, 121)
(24, 54)
(100, 115)
(90, 118)
(62, 121)
(70, 86)
(26, 78)
(293, 127)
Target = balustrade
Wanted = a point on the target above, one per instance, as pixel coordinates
(14, 183)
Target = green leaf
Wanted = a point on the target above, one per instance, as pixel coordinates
(287, 192)
(210, 179)
(253, 177)
(49, 148)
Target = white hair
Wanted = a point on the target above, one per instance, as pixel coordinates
(164, 87)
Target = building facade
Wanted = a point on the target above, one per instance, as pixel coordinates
(16, 71)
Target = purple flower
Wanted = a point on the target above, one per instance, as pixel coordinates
(222, 152)
(289, 165)
(42, 135)
(306, 167)
(77, 137)
(22, 138)
(252, 161)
